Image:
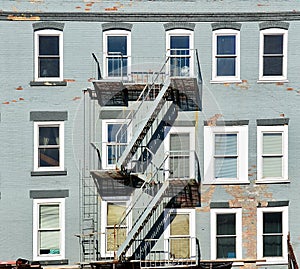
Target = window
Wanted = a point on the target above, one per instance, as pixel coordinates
(180, 147)
(272, 232)
(117, 53)
(225, 154)
(48, 55)
(180, 240)
(48, 146)
(272, 153)
(226, 233)
(226, 55)
(114, 141)
(113, 235)
(48, 229)
(273, 54)
(180, 50)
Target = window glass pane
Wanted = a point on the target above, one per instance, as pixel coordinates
(114, 152)
(226, 45)
(273, 66)
(180, 224)
(48, 45)
(49, 216)
(225, 144)
(117, 44)
(49, 67)
(272, 166)
(272, 245)
(272, 143)
(180, 42)
(116, 132)
(226, 224)
(48, 136)
(117, 66)
(180, 142)
(179, 166)
(115, 212)
(273, 44)
(225, 66)
(48, 157)
(180, 248)
(226, 247)
(226, 167)
(115, 238)
(272, 222)
(49, 242)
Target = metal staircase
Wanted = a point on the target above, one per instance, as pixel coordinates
(140, 134)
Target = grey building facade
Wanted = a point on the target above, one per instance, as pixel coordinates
(150, 133)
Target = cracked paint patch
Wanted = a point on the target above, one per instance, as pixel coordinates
(23, 18)
(212, 120)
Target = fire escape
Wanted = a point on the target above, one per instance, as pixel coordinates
(152, 105)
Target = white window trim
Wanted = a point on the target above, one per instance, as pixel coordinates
(36, 204)
(175, 130)
(213, 238)
(181, 32)
(273, 31)
(105, 164)
(272, 129)
(228, 79)
(38, 124)
(126, 200)
(192, 229)
(105, 50)
(48, 32)
(242, 148)
(285, 221)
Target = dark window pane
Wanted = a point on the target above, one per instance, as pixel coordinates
(226, 224)
(180, 66)
(114, 134)
(272, 245)
(226, 247)
(180, 42)
(226, 67)
(272, 222)
(273, 66)
(49, 45)
(226, 45)
(273, 44)
(48, 136)
(48, 157)
(117, 44)
(49, 67)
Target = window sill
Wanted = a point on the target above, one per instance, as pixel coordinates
(48, 83)
(272, 181)
(226, 182)
(222, 81)
(48, 173)
(272, 81)
(273, 262)
(53, 262)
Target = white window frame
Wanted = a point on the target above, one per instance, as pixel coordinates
(283, 129)
(222, 79)
(36, 205)
(238, 225)
(48, 32)
(192, 229)
(181, 32)
(273, 31)
(105, 123)
(285, 229)
(242, 152)
(180, 130)
(108, 33)
(103, 245)
(59, 124)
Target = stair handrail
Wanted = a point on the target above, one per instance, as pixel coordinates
(129, 118)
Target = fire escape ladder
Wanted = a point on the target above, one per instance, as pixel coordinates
(292, 264)
(139, 134)
(142, 220)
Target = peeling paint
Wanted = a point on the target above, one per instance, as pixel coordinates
(212, 120)
(76, 98)
(23, 18)
(19, 88)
